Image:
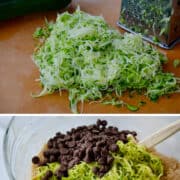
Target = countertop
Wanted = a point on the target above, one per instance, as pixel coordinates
(18, 72)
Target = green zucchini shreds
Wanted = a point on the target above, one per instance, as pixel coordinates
(89, 59)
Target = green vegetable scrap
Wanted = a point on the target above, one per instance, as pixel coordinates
(132, 107)
(131, 162)
(141, 103)
(176, 63)
(114, 102)
(89, 59)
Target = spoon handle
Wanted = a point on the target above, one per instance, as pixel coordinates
(161, 135)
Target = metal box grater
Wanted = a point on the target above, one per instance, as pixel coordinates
(157, 20)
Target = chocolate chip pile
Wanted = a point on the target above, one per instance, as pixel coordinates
(91, 143)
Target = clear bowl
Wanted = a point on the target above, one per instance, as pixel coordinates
(25, 137)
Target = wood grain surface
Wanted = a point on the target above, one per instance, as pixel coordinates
(18, 72)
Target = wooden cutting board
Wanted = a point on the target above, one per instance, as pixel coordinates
(18, 72)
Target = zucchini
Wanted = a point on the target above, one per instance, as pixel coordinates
(13, 8)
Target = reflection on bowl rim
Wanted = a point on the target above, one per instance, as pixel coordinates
(4, 148)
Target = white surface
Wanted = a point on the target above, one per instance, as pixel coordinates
(143, 125)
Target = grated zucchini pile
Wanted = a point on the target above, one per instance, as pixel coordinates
(80, 53)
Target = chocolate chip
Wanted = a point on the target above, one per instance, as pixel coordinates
(58, 174)
(48, 175)
(67, 138)
(134, 133)
(81, 154)
(71, 144)
(46, 154)
(95, 170)
(109, 159)
(50, 143)
(104, 169)
(102, 161)
(110, 127)
(64, 151)
(96, 151)
(77, 136)
(93, 143)
(58, 134)
(63, 168)
(101, 175)
(55, 152)
(55, 144)
(76, 153)
(73, 130)
(122, 137)
(104, 123)
(35, 160)
(52, 158)
(60, 145)
(95, 131)
(44, 162)
(113, 148)
(100, 143)
(60, 140)
(87, 159)
(62, 172)
(65, 174)
(104, 152)
(73, 162)
(98, 122)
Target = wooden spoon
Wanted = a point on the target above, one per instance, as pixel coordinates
(161, 135)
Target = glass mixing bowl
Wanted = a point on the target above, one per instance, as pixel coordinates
(25, 137)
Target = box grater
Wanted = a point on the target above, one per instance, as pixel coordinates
(157, 20)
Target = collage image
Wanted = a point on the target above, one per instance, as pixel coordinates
(90, 90)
